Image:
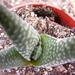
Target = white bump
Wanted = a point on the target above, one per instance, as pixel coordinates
(58, 40)
(20, 44)
(2, 60)
(19, 36)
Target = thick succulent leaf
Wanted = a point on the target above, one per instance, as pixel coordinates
(56, 51)
(10, 57)
(23, 35)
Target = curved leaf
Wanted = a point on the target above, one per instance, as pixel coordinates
(56, 51)
(10, 57)
(23, 35)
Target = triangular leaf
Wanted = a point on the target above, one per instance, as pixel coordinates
(23, 35)
(10, 57)
(56, 51)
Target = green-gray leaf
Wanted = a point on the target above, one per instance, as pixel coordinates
(10, 57)
(56, 51)
(23, 35)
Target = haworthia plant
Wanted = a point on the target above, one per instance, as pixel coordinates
(51, 51)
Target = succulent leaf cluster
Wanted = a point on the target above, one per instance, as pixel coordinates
(26, 48)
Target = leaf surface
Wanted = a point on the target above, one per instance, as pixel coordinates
(23, 35)
(10, 58)
(56, 51)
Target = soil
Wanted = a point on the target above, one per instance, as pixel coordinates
(46, 24)
(45, 21)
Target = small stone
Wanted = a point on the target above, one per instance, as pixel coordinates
(17, 72)
(1, 47)
(2, 41)
(8, 70)
(36, 69)
(49, 68)
(2, 34)
(60, 68)
(32, 14)
(70, 66)
(45, 73)
(73, 73)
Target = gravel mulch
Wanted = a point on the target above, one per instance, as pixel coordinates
(45, 21)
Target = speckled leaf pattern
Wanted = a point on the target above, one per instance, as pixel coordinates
(10, 57)
(56, 51)
(23, 35)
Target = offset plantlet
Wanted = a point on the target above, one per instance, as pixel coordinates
(27, 48)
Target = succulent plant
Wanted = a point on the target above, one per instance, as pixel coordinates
(31, 48)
